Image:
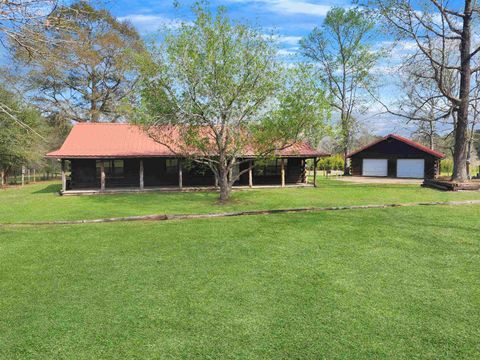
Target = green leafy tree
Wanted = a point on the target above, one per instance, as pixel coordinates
(21, 139)
(219, 88)
(341, 49)
(86, 71)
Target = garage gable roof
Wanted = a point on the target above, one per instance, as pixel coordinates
(409, 142)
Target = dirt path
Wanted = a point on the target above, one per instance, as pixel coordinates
(165, 217)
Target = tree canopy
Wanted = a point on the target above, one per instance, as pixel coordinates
(220, 85)
(22, 133)
(86, 72)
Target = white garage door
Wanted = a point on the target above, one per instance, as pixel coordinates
(411, 168)
(375, 167)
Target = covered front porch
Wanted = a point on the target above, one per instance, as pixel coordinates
(117, 175)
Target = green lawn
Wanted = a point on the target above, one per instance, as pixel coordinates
(41, 202)
(396, 283)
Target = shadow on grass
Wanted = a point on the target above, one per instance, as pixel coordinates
(49, 189)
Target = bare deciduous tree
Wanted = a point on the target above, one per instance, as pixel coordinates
(21, 20)
(434, 25)
(474, 116)
(423, 104)
(341, 49)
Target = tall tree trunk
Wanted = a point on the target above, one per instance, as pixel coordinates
(94, 116)
(431, 135)
(460, 149)
(346, 142)
(223, 180)
(346, 171)
(224, 184)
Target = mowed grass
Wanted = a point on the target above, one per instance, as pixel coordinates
(41, 202)
(397, 283)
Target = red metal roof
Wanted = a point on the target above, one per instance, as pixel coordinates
(404, 140)
(107, 140)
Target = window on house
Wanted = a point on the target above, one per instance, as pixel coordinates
(113, 168)
(270, 168)
(198, 169)
(171, 166)
(117, 170)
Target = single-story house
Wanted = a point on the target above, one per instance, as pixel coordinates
(397, 157)
(108, 156)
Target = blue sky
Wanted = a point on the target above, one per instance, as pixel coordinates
(289, 18)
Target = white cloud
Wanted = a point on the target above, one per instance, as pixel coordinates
(291, 7)
(299, 7)
(397, 52)
(385, 69)
(288, 39)
(286, 52)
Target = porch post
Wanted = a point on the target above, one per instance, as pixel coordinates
(250, 174)
(216, 180)
(315, 172)
(64, 177)
(180, 174)
(305, 172)
(102, 175)
(141, 174)
(282, 171)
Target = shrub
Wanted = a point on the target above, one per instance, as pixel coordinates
(334, 162)
(446, 166)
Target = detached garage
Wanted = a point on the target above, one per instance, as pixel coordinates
(396, 156)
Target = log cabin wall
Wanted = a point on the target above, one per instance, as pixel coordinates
(195, 174)
(432, 168)
(85, 173)
(295, 171)
(160, 171)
